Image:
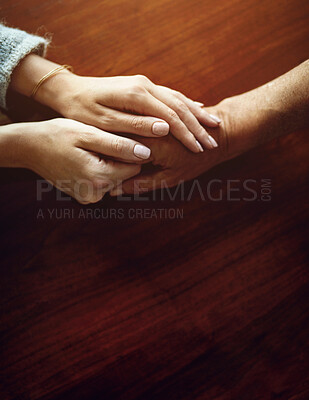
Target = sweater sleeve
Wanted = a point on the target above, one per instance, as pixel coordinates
(14, 46)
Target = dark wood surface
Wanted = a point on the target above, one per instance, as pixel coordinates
(213, 305)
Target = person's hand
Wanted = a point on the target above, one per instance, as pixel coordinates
(173, 163)
(74, 157)
(247, 121)
(130, 104)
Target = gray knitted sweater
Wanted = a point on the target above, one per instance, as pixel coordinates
(14, 46)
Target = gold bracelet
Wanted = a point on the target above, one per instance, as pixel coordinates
(48, 75)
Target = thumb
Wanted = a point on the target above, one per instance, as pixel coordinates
(143, 183)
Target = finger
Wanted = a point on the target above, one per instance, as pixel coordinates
(95, 196)
(186, 116)
(119, 172)
(101, 177)
(197, 109)
(143, 183)
(118, 121)
(93, 188)
(86, 192)
(150, 105)
(116, 173)
(111, 145)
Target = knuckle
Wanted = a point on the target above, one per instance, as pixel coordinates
(97, 197)
(139, 86)
(142, 79)
(92, 189)
(177, 94)
(137, 123)
(118, 146)
(180, 106)
(85, 137)
(106, 119)
(82, 196)
(88, 199)
(172, 114)
(137, 90)
(80, 201)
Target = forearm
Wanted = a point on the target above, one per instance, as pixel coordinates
(10, 149)
(274, 109)
(15, 45)
(284, 102)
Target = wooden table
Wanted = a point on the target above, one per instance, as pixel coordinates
(210, 305)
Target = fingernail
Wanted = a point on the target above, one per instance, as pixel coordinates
(216, 119)
(142, 151)
(160, 128)
(199, 103)
(212, 141)
(117, 191)
(199, 146)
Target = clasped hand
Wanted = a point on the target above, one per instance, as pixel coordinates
(91, 143)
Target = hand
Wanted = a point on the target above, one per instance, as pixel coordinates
(174, 163)
(113, 103)
(71, 156)
(250, 119)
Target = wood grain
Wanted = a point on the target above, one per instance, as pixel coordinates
(213, 305)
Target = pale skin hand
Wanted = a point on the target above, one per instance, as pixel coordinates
(69, 154)
(250, 119)
(113, 103)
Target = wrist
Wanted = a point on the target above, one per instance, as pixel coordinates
(52, 91)
(57, 91)
(11, 147)
(226, 134)
(243, 125)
